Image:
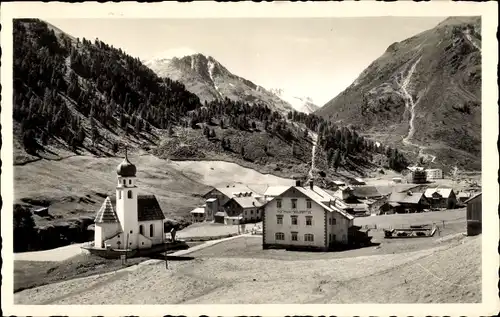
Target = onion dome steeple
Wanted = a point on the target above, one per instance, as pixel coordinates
(126, 168)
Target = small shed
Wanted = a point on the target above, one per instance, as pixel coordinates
(474, 215)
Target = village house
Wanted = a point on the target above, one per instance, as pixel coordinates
(198, 214)
(441, 198)
(224, 194)
(243, 210)
(474, 215)
(405, 202)
(418, 176)
(434, 173)
(304, 217)
(136, 223)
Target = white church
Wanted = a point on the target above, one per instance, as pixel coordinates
(137, 222)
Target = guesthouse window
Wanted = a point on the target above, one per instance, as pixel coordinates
(141, 229)
(309, 220)
(278, 203)
(295, 236)
(309, 204)
(129, 194)
(294, 220)
(151, 232)
(334, 221)
(294, 203)
(308, 237)
(279, 219)
(280, 236)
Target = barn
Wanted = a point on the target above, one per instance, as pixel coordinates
(474, 215)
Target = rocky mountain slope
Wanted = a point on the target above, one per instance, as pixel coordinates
(300, 104)
(423, 94)
(210, 80)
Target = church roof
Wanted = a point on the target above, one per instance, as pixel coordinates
(148, 208)
(106, 213)
(126, 168)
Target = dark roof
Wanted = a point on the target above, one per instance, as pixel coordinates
(406, 198)
(148, 208)
(473, 197)
(126, 168)
(106, 213)
(365, 191)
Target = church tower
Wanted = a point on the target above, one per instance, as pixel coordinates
(126, 203)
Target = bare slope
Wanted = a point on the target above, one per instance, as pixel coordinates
(424, 93)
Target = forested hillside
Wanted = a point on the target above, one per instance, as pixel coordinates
(86, 96)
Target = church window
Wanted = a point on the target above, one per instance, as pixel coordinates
(120, 194)
(141, 229)
(151, 227)
(131, 231)
(129, 181)
(124, 182)
(129, 194)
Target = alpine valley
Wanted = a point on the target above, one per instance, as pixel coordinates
(79, 103)
(423, 95)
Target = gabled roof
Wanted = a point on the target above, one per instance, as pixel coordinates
(406, 198)
(199, 210)
(246, 202)
(106, 213)
(444, 192)
(322, 198)
(473, 197)
(230, 192)
(276, 190)
(148, 208)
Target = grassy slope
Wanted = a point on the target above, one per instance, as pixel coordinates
(447, 77)
(79, 184)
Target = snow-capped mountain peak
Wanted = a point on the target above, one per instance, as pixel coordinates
(301, 104)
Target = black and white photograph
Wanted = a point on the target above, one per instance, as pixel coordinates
(249, 158)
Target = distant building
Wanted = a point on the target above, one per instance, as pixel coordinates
(211, 208)
(357, 182)
(474, 215)
(418, 176)
(397, 180)
(137, 222)
(243, 209)
(339, 183)
(304, 217)
(198, 214)
(434, 173)
(405, 202)
(463, 196)
(441, 197)
(216, 198)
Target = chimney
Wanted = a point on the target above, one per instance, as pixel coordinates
(297, 183)
(311, 185)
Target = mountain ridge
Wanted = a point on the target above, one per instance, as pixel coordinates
(436, 114)
(210, 80)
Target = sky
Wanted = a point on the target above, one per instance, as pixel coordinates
(307, 57)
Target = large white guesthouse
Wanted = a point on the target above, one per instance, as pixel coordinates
(304, 217)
